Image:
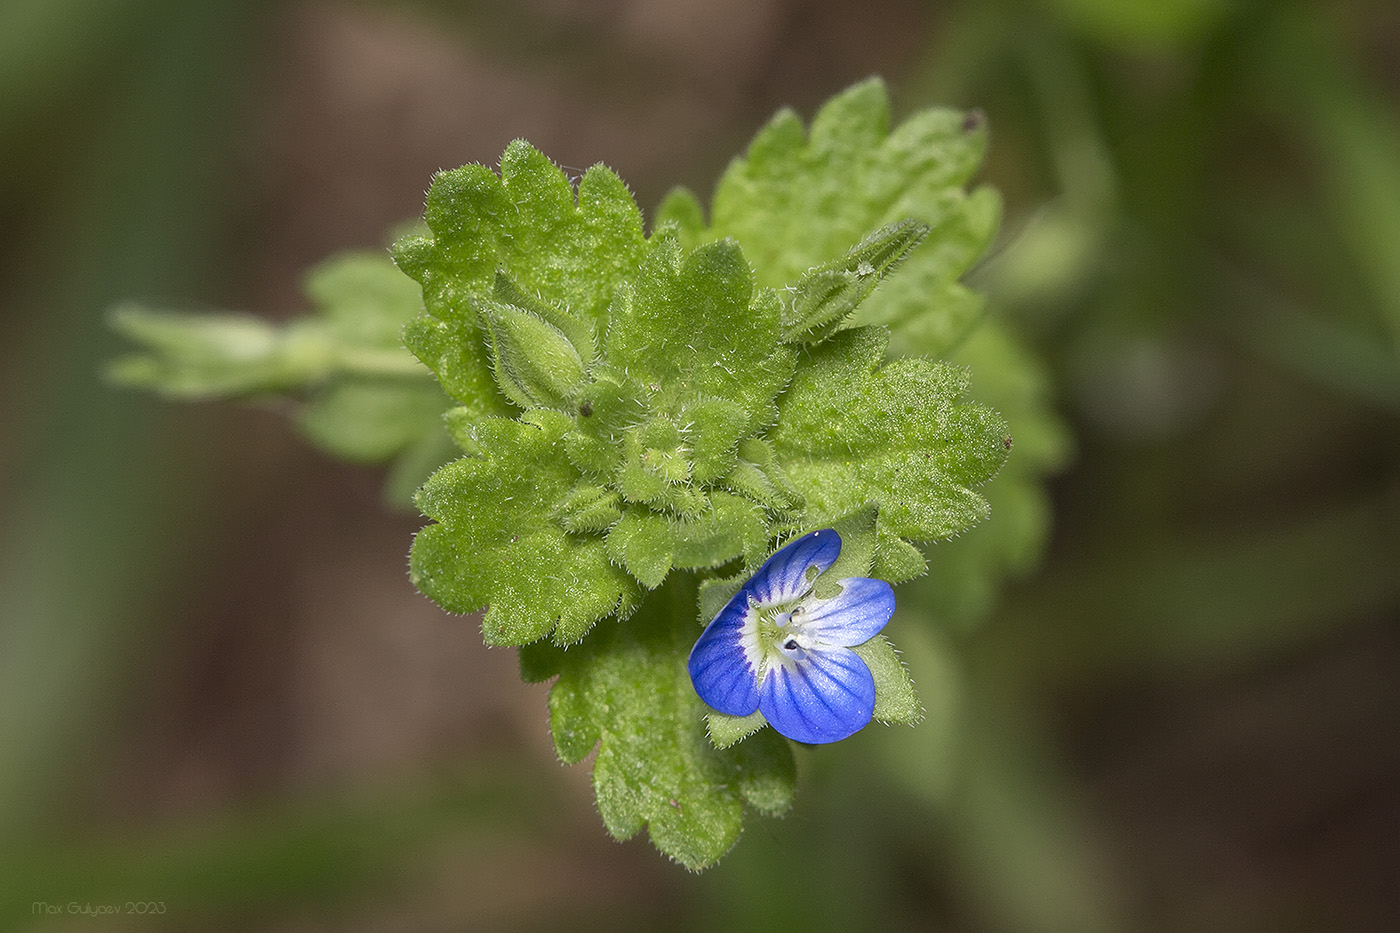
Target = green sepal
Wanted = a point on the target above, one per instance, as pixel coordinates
(857, 533)
(896, 560)
(714, 593)
(495, 543)
(646, 471)
(639, 484)
(579, 333)
(657, 469)
(749, 480)
(758, 475)
(637, 542)
(896, 701)
(828, 294)
(626, 691)
(656, 447)
(725, 730)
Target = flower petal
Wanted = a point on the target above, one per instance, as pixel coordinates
(826, 697)
(853, 616)
(783, 577)
(719, 668)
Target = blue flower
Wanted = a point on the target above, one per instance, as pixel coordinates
(775, 647)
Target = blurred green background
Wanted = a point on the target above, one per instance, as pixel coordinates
(220, 695)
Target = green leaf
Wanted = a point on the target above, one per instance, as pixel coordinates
(376, 405)
(626, 691)
(799, 200)
(857, 532)
(649, 544)
(588, 508)
(899, 436)
(373, 421)
(713, 429)
(525, 224)
(496, 542)
(687, 327)
(629, 407)
(758, 475)
(206, 356)
(796, 200)
(682, 213)
(896, 560)
(608, 407)
(895, 698)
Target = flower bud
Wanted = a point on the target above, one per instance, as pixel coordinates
(828, 293)
(536, 366)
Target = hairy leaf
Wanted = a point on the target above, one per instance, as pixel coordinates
(798, 199)
(688, 328)
(967, 573)
(849, 433)
(496, 542)
(527, 225)
(626, 691)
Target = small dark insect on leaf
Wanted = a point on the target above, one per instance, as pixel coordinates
(585, 408)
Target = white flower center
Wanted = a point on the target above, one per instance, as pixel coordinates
(777, 635)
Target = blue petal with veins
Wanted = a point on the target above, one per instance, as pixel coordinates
(776, 648)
